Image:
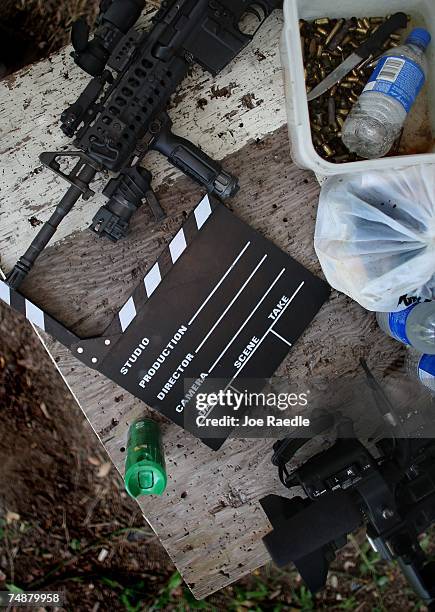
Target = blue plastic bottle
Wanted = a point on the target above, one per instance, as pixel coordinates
(376, 120)
(414, 326)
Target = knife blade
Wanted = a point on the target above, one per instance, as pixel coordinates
(371, 46)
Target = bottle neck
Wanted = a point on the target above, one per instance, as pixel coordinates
(418, 49)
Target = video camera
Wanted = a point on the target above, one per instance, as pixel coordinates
(389, 488)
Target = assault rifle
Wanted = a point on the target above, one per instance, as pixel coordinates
(121, 114)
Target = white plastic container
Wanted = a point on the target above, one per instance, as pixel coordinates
(303, 152)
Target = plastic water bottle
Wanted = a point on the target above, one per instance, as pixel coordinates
(376, 120)
(422, 368)
(414, 326)
(145, 472)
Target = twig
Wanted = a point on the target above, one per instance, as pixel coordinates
(10, 556)
(65, 526)
(93, 546)
(101, 493)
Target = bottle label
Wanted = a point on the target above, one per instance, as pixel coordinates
(399, 78)
(427, 366)
(397, 322)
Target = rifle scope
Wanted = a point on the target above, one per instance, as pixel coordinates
(116, 18)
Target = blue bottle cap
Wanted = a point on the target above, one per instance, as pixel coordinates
(420, 37)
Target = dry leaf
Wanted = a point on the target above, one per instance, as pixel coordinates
(44, 410)
(104, 470)
(11, 517)
(94, 461)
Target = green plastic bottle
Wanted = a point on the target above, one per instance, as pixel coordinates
(145, 472)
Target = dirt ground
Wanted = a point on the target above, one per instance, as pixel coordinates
(62, 504)
(32, 29)
(66, 522)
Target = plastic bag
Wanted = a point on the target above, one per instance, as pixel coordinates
(375, 236)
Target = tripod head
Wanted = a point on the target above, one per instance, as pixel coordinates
(388, 487)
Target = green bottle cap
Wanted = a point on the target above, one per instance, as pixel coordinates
(145, 478)
(145, 472)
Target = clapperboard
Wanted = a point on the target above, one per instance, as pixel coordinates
(221, 302)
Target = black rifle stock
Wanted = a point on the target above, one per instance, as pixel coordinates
(121, 114)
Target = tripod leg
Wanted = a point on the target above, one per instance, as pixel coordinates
(422, 580)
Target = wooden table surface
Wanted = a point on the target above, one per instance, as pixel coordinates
(209, 518)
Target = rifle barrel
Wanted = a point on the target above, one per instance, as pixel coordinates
(21, 269)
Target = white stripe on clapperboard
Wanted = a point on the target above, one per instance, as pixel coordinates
(127, 314)
(34, 314)
(202, 212)
(5, 293)
(152, 280)
(154, 277)
(177, 246)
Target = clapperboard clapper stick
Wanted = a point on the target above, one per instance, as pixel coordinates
(217, 286)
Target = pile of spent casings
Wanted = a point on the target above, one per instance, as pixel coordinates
(326, 43)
